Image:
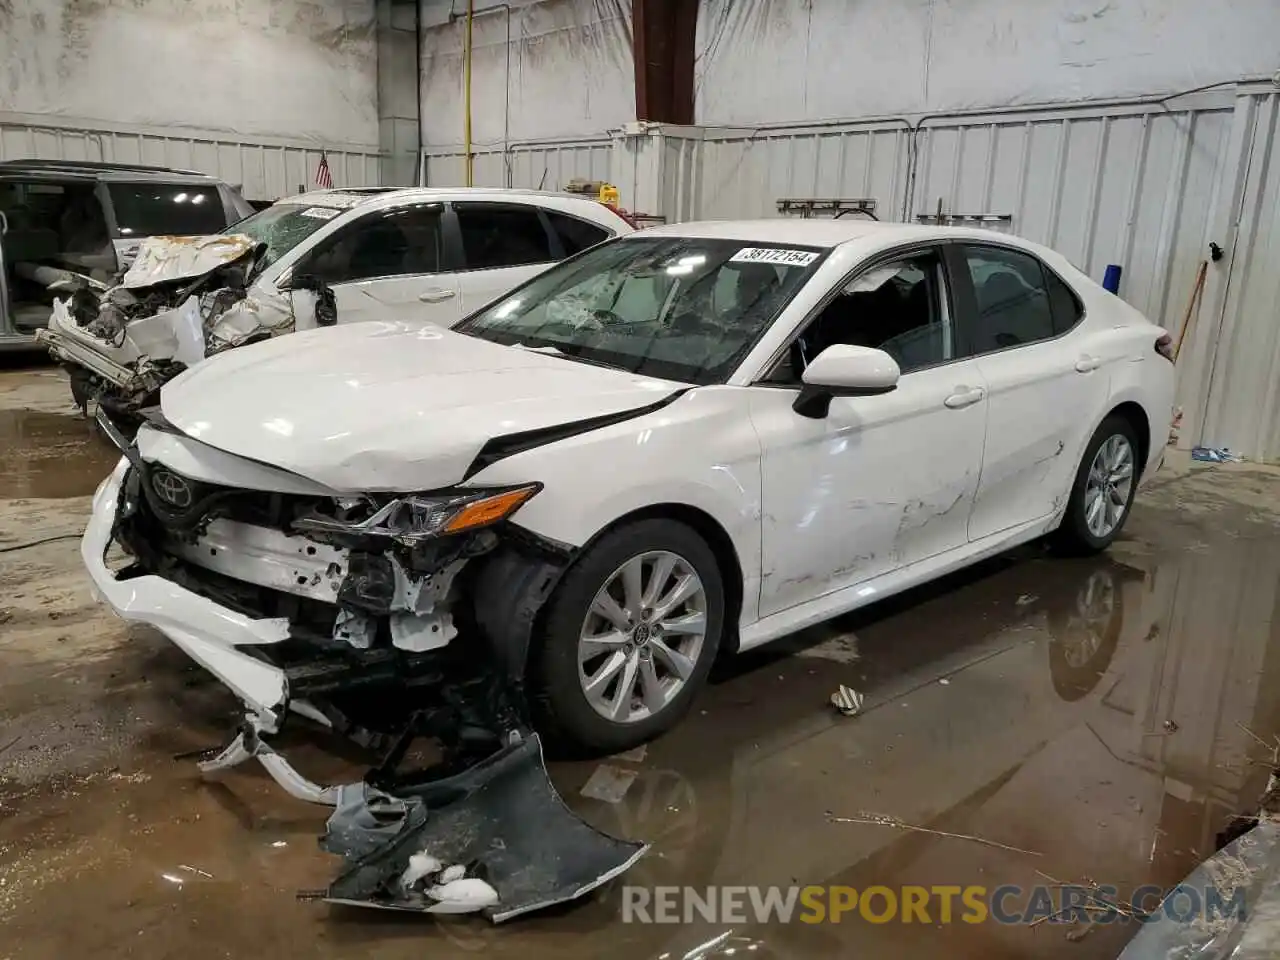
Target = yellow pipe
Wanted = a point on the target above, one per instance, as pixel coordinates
(466, 91)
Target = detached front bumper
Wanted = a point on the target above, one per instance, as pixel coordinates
(490, 836)
(209, 633)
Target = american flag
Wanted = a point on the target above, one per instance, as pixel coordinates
(324, 179)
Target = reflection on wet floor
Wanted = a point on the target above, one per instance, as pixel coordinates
(1098, 714)
(51, 455)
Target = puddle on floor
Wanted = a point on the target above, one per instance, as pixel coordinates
(1056, 720)
(51, 455)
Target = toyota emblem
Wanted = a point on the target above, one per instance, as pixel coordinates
(172, 489)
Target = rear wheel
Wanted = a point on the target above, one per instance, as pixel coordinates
(1104, 488)
(629, 637)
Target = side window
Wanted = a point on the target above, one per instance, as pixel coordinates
(1013, 304)
(502, 235)
(896, 307)
(575, 235)
(390, 243)
(1066, 306)
(157, 209)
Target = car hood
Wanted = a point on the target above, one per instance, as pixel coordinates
(166, 259)
(387, 406)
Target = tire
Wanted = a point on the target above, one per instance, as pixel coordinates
(1076, 536)
(564, 713)
(1084, 635)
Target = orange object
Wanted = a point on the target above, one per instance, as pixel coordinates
(489, 510)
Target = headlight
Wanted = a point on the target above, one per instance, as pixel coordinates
(418, 517)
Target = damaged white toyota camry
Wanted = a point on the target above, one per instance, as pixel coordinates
(685, 442)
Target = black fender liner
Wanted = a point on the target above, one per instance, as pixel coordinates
(510, 589)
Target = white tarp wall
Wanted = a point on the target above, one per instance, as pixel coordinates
(240, 90)
(540, 69)
(768, 61)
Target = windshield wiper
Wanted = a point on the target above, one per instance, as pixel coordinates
(554, 351)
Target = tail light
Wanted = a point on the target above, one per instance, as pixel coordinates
(1164, 347)
(630, 220)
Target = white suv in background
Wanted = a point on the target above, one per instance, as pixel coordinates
(330, 256)
(422, 253)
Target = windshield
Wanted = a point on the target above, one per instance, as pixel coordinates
(678, 308)
(282, 227)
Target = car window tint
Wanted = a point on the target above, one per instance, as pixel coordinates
(159, 209)
(1066, 306)
(576, 235)
(1012, 303)
(501, 235)
(894, 307)
(391, 243)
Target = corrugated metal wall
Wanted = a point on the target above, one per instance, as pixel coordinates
(529, 166)
(1130, 184)
(1243, 407)
(745, 173)
(267, 168)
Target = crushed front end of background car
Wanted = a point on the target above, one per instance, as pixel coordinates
(181, 300)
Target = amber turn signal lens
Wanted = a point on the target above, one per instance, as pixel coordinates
(488, 510)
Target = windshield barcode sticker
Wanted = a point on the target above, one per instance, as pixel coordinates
(319, 213)
(788, 258)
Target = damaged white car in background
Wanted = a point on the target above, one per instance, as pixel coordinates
(182, 299)
(552, 519)
(305, 262)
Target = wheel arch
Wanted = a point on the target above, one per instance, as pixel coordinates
(716, 537)
(1137, 417)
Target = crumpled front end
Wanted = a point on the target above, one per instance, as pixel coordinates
(183, 299)
(384, 618)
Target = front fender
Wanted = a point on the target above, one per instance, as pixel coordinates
(700, 451)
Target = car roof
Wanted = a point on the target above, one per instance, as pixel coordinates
(859, 235)
(393, 196)
(92, 170)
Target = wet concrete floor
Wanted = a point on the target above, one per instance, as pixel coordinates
(1100, 719)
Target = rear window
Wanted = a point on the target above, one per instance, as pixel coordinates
(576, 235)
(160, 209)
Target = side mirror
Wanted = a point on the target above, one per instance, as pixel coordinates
(284, 282)
(842, 370)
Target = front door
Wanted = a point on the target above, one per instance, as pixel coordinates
(881, 482)
(389, 265)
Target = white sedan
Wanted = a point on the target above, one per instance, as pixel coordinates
(679, 444)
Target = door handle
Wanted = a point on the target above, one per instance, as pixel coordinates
(435, 296)
(1088, 364)
(964, 397)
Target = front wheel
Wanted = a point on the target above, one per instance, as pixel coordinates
(629, 637)
(1103, 492)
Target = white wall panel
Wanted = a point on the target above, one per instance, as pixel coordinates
(288, 68)
(266, 169)
(1243, 410)
(744, 175)
(540, 69)
(543, 166)
(775, 61)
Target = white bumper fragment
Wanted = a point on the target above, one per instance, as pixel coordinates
(210, 634)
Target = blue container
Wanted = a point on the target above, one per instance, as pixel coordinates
(1111, 279)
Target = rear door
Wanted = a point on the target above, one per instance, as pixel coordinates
(1045, 385)
(501, 245)
(388, 265)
